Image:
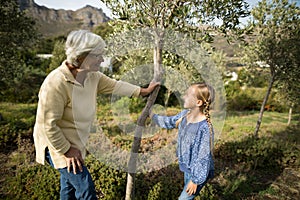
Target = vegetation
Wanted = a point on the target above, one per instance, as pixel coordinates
(17, 34)
(157, 20)
(276, 27)
(21, 70)
(246, 167)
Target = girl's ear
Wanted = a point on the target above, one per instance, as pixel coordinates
(199, 103)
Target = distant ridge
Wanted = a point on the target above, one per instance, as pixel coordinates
(54, 22)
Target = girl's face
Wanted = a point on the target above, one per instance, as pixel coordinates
(190, 99)
(92, 62)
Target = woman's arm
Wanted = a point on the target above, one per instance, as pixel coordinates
(107, 85)
(52, 101)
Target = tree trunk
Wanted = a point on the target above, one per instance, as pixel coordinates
(130, 187)
(167, 97)
(290, 115)
(263, 106)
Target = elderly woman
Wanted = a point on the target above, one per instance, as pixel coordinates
(66, 110)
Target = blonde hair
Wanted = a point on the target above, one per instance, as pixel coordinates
(82, 42)
(206, 94)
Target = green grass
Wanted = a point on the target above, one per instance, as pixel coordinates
(246, 168)
(242, 124)
(22, 112)
(256, 169)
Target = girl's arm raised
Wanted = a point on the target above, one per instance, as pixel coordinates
(167, 122)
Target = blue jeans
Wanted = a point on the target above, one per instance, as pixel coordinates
(184, 195)
(78, 186)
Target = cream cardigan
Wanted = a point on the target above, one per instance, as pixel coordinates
(66, 110)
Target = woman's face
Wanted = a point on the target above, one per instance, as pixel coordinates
(92, 62)
(190, 99)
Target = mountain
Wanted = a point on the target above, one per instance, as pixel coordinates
(52, 22)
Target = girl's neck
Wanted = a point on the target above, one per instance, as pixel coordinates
(195, 115)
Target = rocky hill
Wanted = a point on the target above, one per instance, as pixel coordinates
(54, 22)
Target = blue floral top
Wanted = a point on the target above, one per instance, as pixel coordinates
(193, 146)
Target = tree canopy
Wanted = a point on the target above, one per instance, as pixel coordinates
(161, 23)
(276, 43)
(17, 38)
(17, 34)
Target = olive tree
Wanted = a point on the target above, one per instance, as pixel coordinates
(17, 35)
(275, 43)
(194, 18)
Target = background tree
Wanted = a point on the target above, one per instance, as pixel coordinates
(17, 33)
(46, 44)
(17, 36)
(104, 30)
(184, 16)
(58, 55)
(288, 84)
(275, 43)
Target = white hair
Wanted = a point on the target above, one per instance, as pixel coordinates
(82, 42)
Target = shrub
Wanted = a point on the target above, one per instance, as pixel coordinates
(12, 127)
(9, 133)
(262, 153)
(251, 99)
(109, 182)
(33, 182)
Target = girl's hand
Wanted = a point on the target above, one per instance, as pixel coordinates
(191, 188)
(74, 159)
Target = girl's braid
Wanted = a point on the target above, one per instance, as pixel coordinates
(207, 115)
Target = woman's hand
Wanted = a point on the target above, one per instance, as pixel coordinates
(191, 188)
(149, 89)
(74, 159)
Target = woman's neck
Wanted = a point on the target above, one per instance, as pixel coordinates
(77, 73)
(81, 75)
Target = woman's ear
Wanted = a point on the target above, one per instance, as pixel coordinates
(78, 62)
(80, 59)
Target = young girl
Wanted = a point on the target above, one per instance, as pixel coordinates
(195, 138)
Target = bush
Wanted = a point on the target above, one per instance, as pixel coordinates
(42, 182)
(27, 78)
(166, 183)
(10, 131)
(33, 182)
(242, 101)
(111, 183)
(251, 99)
(263, 153)
(12, 127)
(248, 164)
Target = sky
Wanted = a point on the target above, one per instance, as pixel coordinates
(73, 4)
(77, 4)
(69, 4)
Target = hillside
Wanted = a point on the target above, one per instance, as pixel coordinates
(52, 22)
